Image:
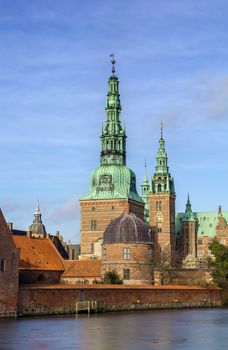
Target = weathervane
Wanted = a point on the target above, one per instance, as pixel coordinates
(161, 130)
(113, 61)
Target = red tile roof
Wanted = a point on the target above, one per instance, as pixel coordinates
(117, 286)
(38, 254)
(82, 268)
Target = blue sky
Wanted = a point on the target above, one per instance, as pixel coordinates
(54, 65)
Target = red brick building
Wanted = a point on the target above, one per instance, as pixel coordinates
(9, 262)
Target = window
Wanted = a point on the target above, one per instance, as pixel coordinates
(93, 225)
(113, 208)
(200, 241)
(159, 205)
(159, 229)
(126, 274)
(93, 208)
(127, 253)
(2, 265)
(150, 253)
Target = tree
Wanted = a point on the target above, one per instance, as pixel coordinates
(112, 277)
(162, 263)
(219, 263)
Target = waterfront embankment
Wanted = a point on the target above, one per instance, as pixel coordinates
(61, 299)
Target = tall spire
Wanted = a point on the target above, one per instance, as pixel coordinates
(162, 181)
(113, 136)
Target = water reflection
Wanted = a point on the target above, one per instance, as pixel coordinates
(158, 329)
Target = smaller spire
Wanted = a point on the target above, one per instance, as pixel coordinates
(219, 211)
(37, 211)
(145, 178)
(188, 201)
(113, 61)
(188, 205)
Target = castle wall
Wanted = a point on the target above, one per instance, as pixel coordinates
(9, 265)
(62, 298)
(187, 277)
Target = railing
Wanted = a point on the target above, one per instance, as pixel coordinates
(90, 306)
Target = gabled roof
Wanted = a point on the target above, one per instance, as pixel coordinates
(82, 268)
(38, 254)
(59, 246)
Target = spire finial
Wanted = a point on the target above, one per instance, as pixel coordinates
(145, 172)
(145, 169)
(188, 198)
(113, 61)
(161, 130)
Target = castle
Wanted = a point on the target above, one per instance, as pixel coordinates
(112, 192)
(120, 230)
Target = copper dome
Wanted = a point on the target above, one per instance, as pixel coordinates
(127, 229)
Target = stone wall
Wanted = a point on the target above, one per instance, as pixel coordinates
(62, 298)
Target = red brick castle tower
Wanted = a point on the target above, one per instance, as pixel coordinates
(162, 204)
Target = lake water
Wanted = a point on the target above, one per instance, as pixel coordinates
(195, 329)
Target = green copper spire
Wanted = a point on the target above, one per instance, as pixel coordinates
(188, 205)
(145, 189)
(188, 216)
(162, 181)
(113, 136)
(113, 179)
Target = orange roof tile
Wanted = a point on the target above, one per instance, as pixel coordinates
(82, 268)
(116, 286)
(38, 254)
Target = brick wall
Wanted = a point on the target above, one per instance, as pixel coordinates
(162, 221)
(62, 299)
(102, 212)
(187, 277)
(39, 276)
(138, 262)
(9, 264)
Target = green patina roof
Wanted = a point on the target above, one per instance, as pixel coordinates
(206, 222)
(113, 182)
